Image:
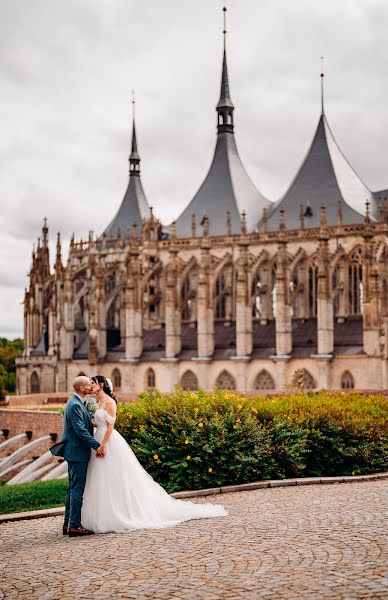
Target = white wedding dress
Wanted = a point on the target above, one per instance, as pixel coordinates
(120, 495)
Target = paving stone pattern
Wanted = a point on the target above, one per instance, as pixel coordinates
(286, 543)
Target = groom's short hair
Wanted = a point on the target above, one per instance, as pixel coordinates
(80, 381)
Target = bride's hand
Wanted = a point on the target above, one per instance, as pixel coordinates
(100, 451)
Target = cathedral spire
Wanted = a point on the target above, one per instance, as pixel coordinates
(45, 233)
(58, 260)
(134, 158)
(225, 106)
(134, 207)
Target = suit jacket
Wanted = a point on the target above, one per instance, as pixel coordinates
(77, 438)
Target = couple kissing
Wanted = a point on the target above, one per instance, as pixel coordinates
(108, 490)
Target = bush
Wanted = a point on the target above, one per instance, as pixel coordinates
(193, 440)
(32, 496)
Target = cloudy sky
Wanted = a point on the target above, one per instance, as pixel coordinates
(67, 68)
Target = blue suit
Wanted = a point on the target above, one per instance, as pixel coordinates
(75, 445)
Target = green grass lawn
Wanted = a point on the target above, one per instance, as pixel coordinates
(32, 496)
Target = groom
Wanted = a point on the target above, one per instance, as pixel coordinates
(75, 445)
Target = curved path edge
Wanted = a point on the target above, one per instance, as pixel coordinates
(227, 489)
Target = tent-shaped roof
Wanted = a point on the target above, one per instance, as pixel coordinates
(134, 207)
(325, 178)
(227, 186)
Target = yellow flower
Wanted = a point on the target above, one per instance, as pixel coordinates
(188, 457)
(186, 441)
(200, 424)
(156, 456)
(239, 406)
(235, 426)
(210, 470)
(238, 420)
(254, 410)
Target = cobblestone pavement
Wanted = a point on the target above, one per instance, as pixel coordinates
(282, 543)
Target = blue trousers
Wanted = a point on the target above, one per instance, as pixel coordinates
(75, 493)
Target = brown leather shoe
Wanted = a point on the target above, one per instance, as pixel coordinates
(79, 531)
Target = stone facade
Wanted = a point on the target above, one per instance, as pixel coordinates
(239, 311)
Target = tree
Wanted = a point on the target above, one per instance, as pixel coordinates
(9, 351)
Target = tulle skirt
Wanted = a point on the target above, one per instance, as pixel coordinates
(120, 495)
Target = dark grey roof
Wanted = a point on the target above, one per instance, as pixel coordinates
(134, 207)
(325, 177)
(41, 348)
(381, 194)
(227, 187)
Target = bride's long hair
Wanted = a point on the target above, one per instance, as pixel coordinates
(106, 383)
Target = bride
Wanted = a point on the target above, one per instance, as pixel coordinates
(119, 494)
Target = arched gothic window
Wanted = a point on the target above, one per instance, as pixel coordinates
(264, 381)
(308, 381)
(313, 288)
(355, 282)
(189, 381)
(116, 379)
(273, 290)
(347, 381)
(298, 289)
(150, 378)
(113, 333)
(35, 383)
(226, 381)
(153, 295)
(188, 296)
(110, 283)
(223, 308)
(79, 314)
(263, 281)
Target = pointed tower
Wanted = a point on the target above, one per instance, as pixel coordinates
(227, 187)
(134, 207)
(325, 178)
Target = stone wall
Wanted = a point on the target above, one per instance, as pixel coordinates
(38, 423)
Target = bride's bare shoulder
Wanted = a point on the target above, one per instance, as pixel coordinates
(110, 406)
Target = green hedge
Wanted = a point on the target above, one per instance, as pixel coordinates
(196, 440)
(32, 496)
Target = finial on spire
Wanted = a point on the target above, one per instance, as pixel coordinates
(58, 261)
(244, 223)
(367, 215)
(301, 216)
(193, 226)
(282, 219)
(228, 223)
(45, 232)
(322, 217)
(224, 32)
(339, 213)
(134, 158)
(322, 86)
